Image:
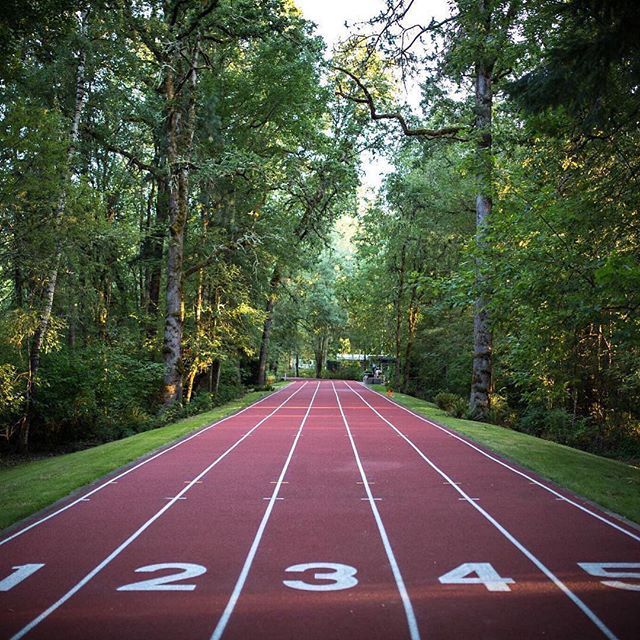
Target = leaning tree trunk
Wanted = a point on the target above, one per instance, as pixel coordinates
(37, 340)
(481, 382)
(268, 325)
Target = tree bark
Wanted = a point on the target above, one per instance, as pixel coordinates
(180, 109)
(153, 253)
(214, 375)
(321, 354)
(37, 340)
(398, 311)
(412, 324)
(268, 325)
(481, 380)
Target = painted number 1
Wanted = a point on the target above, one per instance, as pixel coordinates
(341, 576)
(20, 573)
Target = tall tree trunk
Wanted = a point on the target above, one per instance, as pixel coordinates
(412, 323)
(481, 381)
(322, 347)
(37, 340)
(196, 364)
(153, 253)
(398, 310)
(214, 375)
(268, 325)
(177, 223)
(180, 130)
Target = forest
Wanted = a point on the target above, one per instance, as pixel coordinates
(183, 214)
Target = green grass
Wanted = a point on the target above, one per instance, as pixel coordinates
(27, 488)
(611, 484)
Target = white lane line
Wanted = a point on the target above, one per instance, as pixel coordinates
(402, 590)
(128, 471)
(507, 466)
(538, 563)
(116, 552)
(235, 594)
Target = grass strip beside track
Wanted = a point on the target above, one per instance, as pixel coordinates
(612, 484)
(27, 488)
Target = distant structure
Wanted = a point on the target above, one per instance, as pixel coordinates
(375, 368)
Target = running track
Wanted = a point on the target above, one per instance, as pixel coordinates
(323, 511)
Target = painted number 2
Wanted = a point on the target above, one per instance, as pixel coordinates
(341, 576)
(166, 583)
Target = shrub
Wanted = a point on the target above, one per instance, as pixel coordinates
(95, 394)
(560, 426)
(458, 408)
(12, 401)
(500, 413)
(445, 400)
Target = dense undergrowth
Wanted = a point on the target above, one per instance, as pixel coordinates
(621, 441)
(102, 393)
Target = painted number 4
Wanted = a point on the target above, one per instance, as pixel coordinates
(484, 574)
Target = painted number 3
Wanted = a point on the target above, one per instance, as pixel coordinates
(337, 576)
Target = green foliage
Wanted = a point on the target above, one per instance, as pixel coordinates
(453, 404)
(445, 400)
(558, 425)
(11, 400)
(97, 394)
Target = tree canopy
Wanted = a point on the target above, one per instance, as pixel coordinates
(182, 212)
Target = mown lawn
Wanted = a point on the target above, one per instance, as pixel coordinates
(612, 484)
(29, 487)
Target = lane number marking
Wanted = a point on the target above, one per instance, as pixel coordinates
(166, 583)
(342, 576)
(614, 570)
(485, 574)
(20, 573)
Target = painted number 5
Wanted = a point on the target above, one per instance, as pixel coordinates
(342, 576)
(614, 570)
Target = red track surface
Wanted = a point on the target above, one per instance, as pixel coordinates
(324, 511)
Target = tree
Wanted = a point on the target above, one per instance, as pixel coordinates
(477, 44)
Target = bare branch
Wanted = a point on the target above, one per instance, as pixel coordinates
(153, 170)
(446, 132)
(195, 23)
